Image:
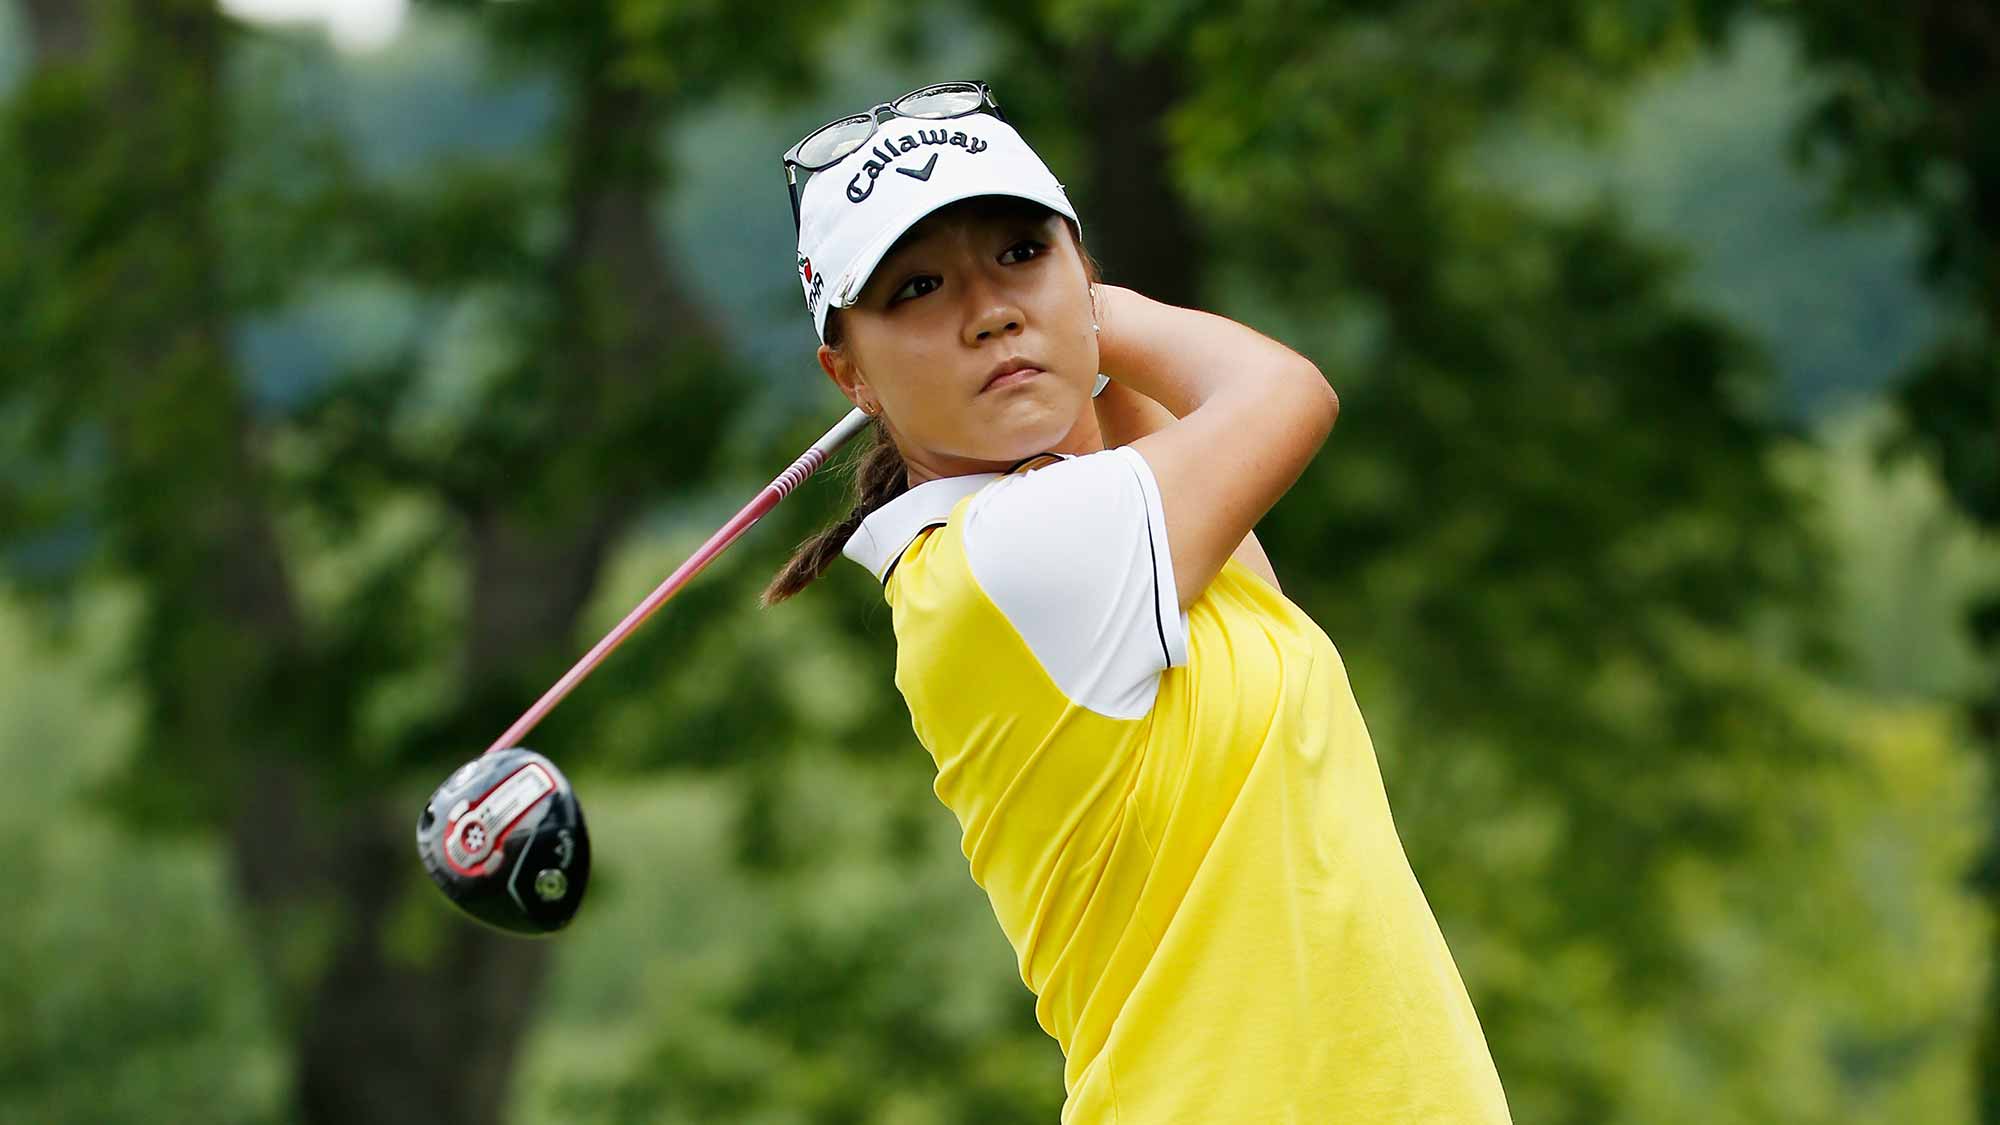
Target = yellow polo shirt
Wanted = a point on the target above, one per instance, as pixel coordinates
(1177, 816)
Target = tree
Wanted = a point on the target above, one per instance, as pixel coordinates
(1553, 494)
(128, 251)
(1551, 535)
(1550, 514)
(1912, 95)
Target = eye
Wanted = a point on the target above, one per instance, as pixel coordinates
(914, 288)
(1022, 251)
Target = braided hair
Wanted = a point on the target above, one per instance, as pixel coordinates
(879, 477)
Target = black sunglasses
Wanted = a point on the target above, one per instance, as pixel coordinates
(827, 145)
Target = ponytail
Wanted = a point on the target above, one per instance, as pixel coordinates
(879, 477)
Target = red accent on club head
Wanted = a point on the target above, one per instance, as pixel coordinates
(497, 833)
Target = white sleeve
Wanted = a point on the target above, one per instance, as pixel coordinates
(1075, 556)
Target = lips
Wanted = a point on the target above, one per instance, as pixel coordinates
(1015, 370)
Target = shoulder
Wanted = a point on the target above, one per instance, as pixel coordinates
(1041, 497)
(881, 540)
(1070, 556)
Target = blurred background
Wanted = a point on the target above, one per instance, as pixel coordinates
(362, 362)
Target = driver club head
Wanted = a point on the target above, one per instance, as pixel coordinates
(503, 837)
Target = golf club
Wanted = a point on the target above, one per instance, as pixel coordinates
(504, 836)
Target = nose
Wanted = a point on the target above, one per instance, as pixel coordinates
(995, 313)
(997, 322)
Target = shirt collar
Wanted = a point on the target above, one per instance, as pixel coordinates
(890, 529)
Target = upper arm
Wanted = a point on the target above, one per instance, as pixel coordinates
(1124, 416)
(1220, 468)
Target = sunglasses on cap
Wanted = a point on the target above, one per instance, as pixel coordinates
(830, 143)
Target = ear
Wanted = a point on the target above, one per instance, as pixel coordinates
(840, 368)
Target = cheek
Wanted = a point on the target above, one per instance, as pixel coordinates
(892, 360)
(1076, 335)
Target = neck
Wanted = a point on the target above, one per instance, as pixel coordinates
(922, 466)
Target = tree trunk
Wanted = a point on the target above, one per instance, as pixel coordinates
(389, 1042)
(1141, 230)
(386, 1041)
(61, 30)
(134, 146)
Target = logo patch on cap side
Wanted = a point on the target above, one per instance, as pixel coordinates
(886, 153)
(815, 284)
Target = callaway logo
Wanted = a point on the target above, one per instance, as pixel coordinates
(886, 153)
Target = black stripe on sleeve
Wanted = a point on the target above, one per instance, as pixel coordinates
(1153, 560)
(898, 560)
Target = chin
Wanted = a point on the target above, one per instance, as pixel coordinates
(1015, 439)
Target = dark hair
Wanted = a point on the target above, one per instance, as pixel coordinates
(879, 477)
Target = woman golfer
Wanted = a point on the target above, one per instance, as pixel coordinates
(1164, 783)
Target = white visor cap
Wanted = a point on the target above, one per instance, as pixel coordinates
(850, 214)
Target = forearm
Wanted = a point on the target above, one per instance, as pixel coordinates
(1184, 359)
(1124, 415)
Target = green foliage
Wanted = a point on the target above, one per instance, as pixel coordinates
(1907, 121)
(1913, 564)
(865, 982)
(1550, 507)
(1700, 158)
(130, 993)
(342, 446)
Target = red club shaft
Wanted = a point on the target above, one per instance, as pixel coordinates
(807, 464)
